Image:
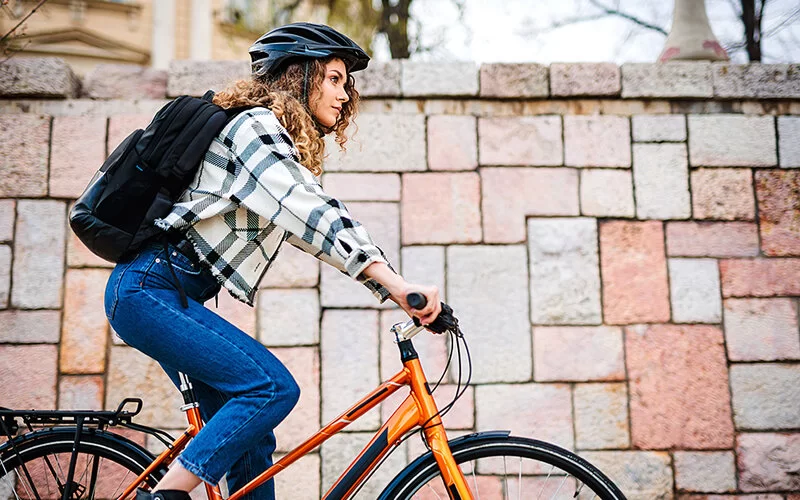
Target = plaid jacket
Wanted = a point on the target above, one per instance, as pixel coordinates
(250, 195)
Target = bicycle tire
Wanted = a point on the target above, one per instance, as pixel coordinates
(106, 464)
(413, 481)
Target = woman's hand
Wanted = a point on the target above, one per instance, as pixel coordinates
(400, 288)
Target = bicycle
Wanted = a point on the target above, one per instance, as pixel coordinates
(64, 458)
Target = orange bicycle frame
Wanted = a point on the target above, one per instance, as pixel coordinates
(417, 409)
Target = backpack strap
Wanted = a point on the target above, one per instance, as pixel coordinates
(208, 96)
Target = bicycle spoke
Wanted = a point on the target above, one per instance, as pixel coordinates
(434, 491)
(475, 482)
(519, 480)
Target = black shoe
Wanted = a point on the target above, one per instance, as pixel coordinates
(162, 495)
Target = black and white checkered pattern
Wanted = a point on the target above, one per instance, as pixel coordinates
(250, 195)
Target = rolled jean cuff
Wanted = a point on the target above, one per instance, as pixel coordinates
(198, 471)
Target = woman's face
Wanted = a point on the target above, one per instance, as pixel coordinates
(327, 102)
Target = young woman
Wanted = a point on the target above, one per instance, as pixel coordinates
(255, 189)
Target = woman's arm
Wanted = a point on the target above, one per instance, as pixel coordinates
(400, 288)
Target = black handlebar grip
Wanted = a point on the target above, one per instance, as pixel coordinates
(416, 300)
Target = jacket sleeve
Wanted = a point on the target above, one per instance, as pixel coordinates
(273, 184)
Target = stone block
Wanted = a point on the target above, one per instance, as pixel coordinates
(121, 126)
(778, 193)
(584, 79)
(293, 269)
(7, 216)
(761, 329)
(564, 271)
(382, 220)
(759, 277)
(350, 335)
(124, 81)
(38, 270)
(695, 291)
(432, 350)
(30, 327)
(341, 450)
(362, 187)
(766, 396)
(661, 178)
(236, 312)
(578, 354)
(132, 373)
(732, 141)
(490, 301)
(301, 480)
(84, 333)
(676, 79)
(525, 140)
(37, 366)
(380, 79)
(673, 404)
(513, 80)
(424, 264)
(642, 475)
(80, 392)
(754, 80)
(304, 420)
(723, 194)
(24, 154)
(76, 153)
(80, 256)
(659, 128)
(541, 410)
(707, 471)
(768, 461)
(426, 79)
(5, 275)
(789, 141)
(441, 208)
(384, 143)
(712, 239)
(607, 193)
(38, 77)
(188, 77)
(288, 317)
(452, 142)
(597, 141)
(601, 416)
(634, 272)
(510, 194)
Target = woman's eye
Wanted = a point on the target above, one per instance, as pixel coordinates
(335, 79)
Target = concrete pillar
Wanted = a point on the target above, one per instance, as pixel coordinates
(690, 37)
(200, 30)
(163, 49)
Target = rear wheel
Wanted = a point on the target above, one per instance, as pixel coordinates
(506, 467)
(38, 468)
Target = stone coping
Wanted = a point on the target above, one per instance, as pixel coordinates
(51, 77)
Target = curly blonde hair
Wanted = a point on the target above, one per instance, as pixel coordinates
(285, 95)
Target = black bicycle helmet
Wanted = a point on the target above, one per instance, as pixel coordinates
(273, 51)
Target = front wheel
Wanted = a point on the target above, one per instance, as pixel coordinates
(499, 466)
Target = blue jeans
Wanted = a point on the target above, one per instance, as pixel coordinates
(237, 381)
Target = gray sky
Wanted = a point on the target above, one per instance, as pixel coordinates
(517, 31)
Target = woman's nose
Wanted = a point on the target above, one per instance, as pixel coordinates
(343, 96)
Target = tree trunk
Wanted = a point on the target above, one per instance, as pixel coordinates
(752, 28)
(394, 23)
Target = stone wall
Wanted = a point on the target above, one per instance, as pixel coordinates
(622, 245)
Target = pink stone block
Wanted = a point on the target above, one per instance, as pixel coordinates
(759, 277)
(768, 461)
(7, 213)
(78, 151)
(634, 272)
(84, 332)
(121, 126)
(528, 140)
(597, 141)
(577, 354)
(778, 193)
(673, 403)
(292, 269)
(35, 366)
(304, 420)
(584, 79)
(441, 208)
(452, 142)
(80, 392)
(23, 155)
(235, 311)
(722, 194)
(80, 256)
(712, 239)
(509, 194)
(362, 187)
(761, 329)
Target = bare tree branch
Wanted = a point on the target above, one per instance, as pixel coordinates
(12, 30)
(787, 21)
(616, 12)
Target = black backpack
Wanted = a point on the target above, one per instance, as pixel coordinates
(145, 175)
